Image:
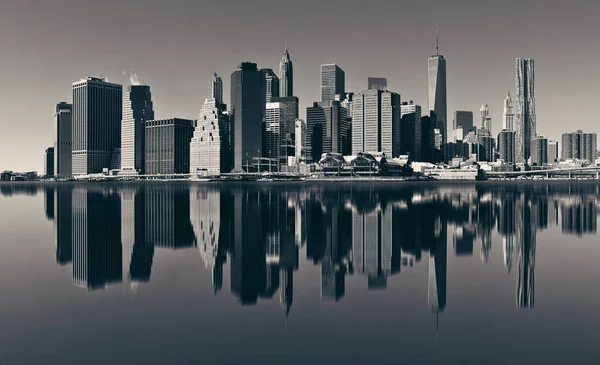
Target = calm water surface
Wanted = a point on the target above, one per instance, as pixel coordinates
(301, 273)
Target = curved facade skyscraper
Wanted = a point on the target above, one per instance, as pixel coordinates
(525, 122)
(286, 75)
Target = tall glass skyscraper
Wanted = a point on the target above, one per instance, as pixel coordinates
(247, 113)
(525, 109)
(217, 89)
(437, 91)
(97, 113)
(333, 82)
(286, 75)
(63, 139)
(137, 109)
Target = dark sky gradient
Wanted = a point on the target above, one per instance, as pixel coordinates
(175, 46)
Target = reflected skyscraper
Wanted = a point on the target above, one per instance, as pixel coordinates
(63, 216)
(167, 214)
(438, 269)
(96, 227)
(525, 251)
(138, 253)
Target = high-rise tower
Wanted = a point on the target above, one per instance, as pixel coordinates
(525, 108)
(97, 113)
(509, 114)
(333, 82)
(286, 75)
(437, 90)
(63, 139)
(137, 109)
(486, 119)
(217, 89)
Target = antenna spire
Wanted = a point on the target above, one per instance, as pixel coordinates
(437, 40)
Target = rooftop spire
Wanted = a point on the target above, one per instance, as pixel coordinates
(437, 40)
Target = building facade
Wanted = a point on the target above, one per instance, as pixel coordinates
(327, 130)
(376, 122)
(552, 151)
(286, 75)
(97, 113)
(217, 89)
(210, 146)
(463, 124)
(63, 139)
(508, 118)
(168, 146)
(428, 137)
(525, 119)
(579, 146)
(539, 151)
(137, 109)
(486, 119)
(333, 82)
(247, 112)
(438, 99)
(410, 131)
(280, 128)
(300, 140)
(49, 161)
(506, 145)
(271, 84)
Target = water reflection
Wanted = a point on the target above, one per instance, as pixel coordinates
(109, 233)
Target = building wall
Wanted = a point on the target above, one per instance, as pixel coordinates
(209, 146)
(437, 92)
(333, 82)
(376, 122)
(525, 118)
(97, 113)
(410, 131)
(168, 146)
(49, 161)
(137, 109)
(506, 146)
(63, 140)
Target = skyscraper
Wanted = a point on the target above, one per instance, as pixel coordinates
(210, 150)
(97, 113)
(217, 89)
(300, 139)
(376, 122)
(539, 151)
(137, 109)
(525, 108)
(579, 146)
(49, 161)
(63, 139)
(286, 75)
(509, 114)
(280, 127)
(247, 112)
(437, 90)
(427, 137)
(552, 151)
(271, 84)
(506, 145)
(486, 119)
(168, 146)
(463, 120)
(327, 129)
(333, 82)
(410, 130)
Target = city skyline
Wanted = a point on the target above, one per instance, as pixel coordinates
(32, 63)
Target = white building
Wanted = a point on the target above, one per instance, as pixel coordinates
(210, 141)
(300, 142)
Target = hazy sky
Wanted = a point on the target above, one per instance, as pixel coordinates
(176, 45)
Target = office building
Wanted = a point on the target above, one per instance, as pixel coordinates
(506, 145)
(286, 75)
(333, 82)
(463, 120)
(49, 161)
(247, 111)
(63, 139)
(525, 120)
(410, 131)
(486, 119)
(508, 118)
(210, 148)
(327, 130)
(437, 90)
(486, 148)
(271, 84)
(539, 151)
(300, 140)
(168, 146)
(289, 113)
(579, 146)
(428, 137)
(377, 83)
(217, 90)
(376, 122)
(97, 113)
(552, 151)
(137, 109)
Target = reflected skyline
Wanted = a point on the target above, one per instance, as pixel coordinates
(109, 234)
